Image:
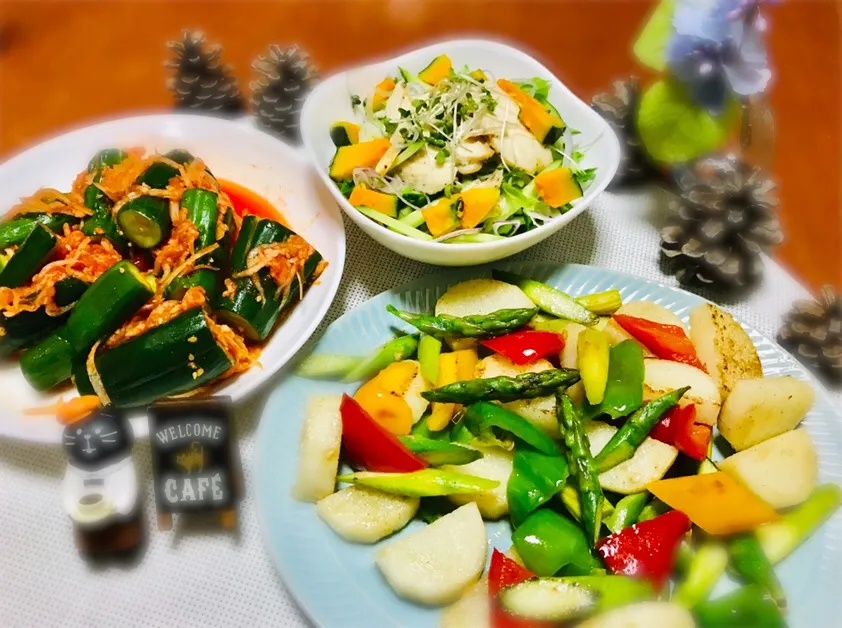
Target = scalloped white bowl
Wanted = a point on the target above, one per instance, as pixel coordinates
(330, 102)
(234, 150)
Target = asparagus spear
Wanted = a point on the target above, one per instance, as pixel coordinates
(525, 386)
(579, 454)
(602, 303)
(704, 570)
(424, 483)
(549, 299)
(779, 539)
(400, 348)
(751, 564)
(478, 326)
(570, 498)
(750, 605)
(627, 511)
(628, 438)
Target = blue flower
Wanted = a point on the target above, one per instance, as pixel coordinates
(719, 50)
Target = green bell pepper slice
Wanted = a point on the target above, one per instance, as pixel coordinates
(546, 541)
(536, 478)
(624, 389)
(750, 605)
(482, 416)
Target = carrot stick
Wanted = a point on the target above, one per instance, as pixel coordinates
(68, 412)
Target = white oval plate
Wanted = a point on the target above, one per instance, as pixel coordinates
(235, 151)
(330, 102)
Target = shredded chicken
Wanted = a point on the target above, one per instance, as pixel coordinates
(156, 313)
(283, 259)
(51, 201)
(180, 245)
(78, 257)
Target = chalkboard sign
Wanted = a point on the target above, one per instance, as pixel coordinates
(193, 458)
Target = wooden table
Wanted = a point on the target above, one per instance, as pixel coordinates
(68, 63)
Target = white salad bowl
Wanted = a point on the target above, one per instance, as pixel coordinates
(330, 102)
(235, 151)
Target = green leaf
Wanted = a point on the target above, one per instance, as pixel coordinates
(651, 45)
(674, 129)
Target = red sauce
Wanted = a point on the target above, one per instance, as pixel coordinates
(247, 202)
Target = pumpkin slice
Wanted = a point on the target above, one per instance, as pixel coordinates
(547, 127)
(437, 70)
(557, 187)
(382, 91)
(362, 155)
(442, 216)
(345, 133)
(477, 202)
(386, 204)
(715, 502)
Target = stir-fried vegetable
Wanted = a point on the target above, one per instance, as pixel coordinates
(479, 326)
(525, 386)
(547, 541)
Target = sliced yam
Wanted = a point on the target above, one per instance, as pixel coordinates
(724, 347)
(362, 155)
(442, 216)
(557, 187)
(438, 70)
(476, 204)
(663, 376)
(548, 599)
(649, 463)
(570, 352)
(365, 515)
(715, 502)
(425, 174)
(539, 411)
(643, 615)
(758, 409)
(783, 471)
(439, 562)
(651, 312)
(496, 464)
(481, 296)
(384, 203)
(382, 91)
(545, 126)
(472, 609)
(321, 440)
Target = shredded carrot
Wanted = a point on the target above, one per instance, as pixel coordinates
(68, 412)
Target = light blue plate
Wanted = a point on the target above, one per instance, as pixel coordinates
(336, 582)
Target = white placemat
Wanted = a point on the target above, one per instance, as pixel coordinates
(199, 576)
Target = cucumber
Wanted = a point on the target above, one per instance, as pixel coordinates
(108, 303)
(254, 316)
(157, 175)
(174, 358)
(26, 328)
(180, 156)
(549, 299)
(395, 225)
(105, 159)
(102, 223)
(15, 231)
(408, 152)
(31, 257)
(202, 211)
(562, 599)
(145, 221)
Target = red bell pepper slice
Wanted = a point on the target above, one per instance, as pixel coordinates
(679, 428)
(646, 549)
(523, 347)
(504, 572)
(370, 446)
(668, 342)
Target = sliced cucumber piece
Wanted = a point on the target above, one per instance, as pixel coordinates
(145, 221)
(395, 225)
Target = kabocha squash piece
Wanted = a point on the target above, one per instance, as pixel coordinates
(345, 134)
(442, 217)
(362, 155)
(386, 204)
(382, 91)
(557, 187)
(476, 203)
(437, 70)
(547, 127)
(715, 502)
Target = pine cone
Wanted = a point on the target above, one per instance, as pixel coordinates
(619, 109)
(812, 332)
(722, 221)
(286, 77)
(201, 82)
